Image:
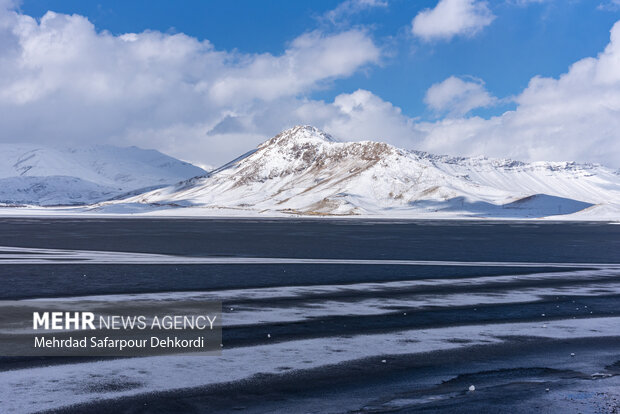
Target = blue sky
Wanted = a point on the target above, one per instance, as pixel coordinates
(541, 38)
(458, 82)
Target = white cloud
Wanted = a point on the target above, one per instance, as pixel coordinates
(528, 2)
(351, 7)
(61, 81)
(8, 4)
(574, 117)
(456, 97)
(311, 58)
(450, 18)
(363, 115)
(609, 5)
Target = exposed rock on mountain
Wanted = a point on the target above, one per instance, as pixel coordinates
(305, 171)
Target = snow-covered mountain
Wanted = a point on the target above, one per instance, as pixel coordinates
(304, 171)
(36, 174)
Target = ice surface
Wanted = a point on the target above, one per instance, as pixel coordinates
(34, 389)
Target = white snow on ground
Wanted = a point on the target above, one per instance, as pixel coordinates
(52, 190)
(608, 213)
(34, 389)
(36, 174)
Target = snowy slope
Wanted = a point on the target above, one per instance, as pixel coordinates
(53, 190)
(35, 174)
(304, 171)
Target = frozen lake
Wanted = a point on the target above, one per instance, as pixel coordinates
(333, 315)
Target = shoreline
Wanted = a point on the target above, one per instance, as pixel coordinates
(22, 212)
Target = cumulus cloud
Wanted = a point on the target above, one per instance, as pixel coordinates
(363, 115)
(456, 97)
(450, 18)
(311, 58)
(62, 81)
(573, 117)
(8, 4)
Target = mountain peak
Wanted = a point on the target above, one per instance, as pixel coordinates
(298, 134)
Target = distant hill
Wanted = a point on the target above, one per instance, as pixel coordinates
(41, 175)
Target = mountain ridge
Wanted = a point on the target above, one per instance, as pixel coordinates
(305, 171)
